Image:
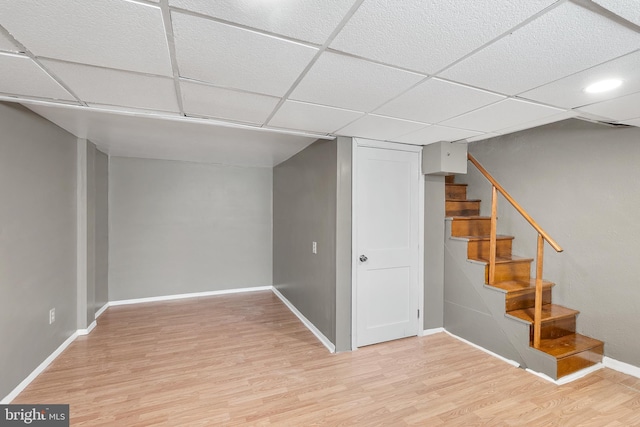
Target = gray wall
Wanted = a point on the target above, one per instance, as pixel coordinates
(180, 227)
(304, 211)
(579, 181)
(91, 232)
(343, 243)
(101, 265)
(433, 251)
(37, 241)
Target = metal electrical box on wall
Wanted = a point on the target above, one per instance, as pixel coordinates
(444, 158)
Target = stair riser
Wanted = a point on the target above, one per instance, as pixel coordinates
(571, 364)
(471, 227)
(514, 270)
(555, 329)
(479, 249)
(526, 300)
(462, 208)
(456, 192)
(449, 179)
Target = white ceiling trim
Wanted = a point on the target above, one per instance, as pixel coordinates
(164, 116)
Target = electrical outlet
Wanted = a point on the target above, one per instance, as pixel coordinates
(314, 247)
(52, 315)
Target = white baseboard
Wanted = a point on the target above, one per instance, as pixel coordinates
(568, 378)
(623, 367)
(189, 295)
(88, 330)
(102, 310)
(432, 331)
(315, 331)
(504, 359)
(33, 375)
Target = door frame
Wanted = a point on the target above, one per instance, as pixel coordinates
(361, 142)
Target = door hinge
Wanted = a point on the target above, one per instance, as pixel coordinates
(418, 313)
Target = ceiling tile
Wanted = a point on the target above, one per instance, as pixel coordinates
(436, 133)
(309, 20)
(114, 87)
(436, 100)
(503, 114)
(22, 76)
(427, 35)
(203, 100)
(628, 9)
(619, 109)
(311, 117)
(182, 138)
(110, 33)
(564, 41)
(539, 122)
(380, 127)
(236, 58)
(6, 44)
(346, 82)
(569, 91)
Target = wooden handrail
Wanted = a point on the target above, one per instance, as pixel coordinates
(515, 204)
(542, 237)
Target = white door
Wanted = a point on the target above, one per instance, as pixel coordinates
(387, 236)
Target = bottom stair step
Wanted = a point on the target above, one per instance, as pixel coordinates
(573, 352)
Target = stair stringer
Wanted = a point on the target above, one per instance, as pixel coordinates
(476, 312)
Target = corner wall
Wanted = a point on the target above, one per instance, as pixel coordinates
(344, 248)
(180, 227)
(579, 181)
(101, 266)
(434, 226)
(304, 211)
(37, 241)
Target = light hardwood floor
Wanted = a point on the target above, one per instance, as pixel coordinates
(244, 359)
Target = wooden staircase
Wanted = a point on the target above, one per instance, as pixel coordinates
(512, 276)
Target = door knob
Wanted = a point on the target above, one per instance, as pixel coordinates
(363, 258)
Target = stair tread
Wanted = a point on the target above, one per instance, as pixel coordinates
(498, 237)
(468, 218)
(520, 285)
(568, 345)
(505, 259)
(462, 200)
(549, 312)
(455, 184)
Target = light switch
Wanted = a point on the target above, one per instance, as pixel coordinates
(314, 247)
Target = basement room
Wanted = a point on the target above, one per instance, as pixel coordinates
(319, 212)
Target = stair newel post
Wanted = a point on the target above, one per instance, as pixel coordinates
(537, 320)
(493, 236)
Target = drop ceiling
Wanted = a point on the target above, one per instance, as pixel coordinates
(252, 82)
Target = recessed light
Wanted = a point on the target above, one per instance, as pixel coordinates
(603, 86)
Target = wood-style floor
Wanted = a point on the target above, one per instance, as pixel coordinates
(244, 359)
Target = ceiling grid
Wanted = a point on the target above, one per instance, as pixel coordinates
(235, 74)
